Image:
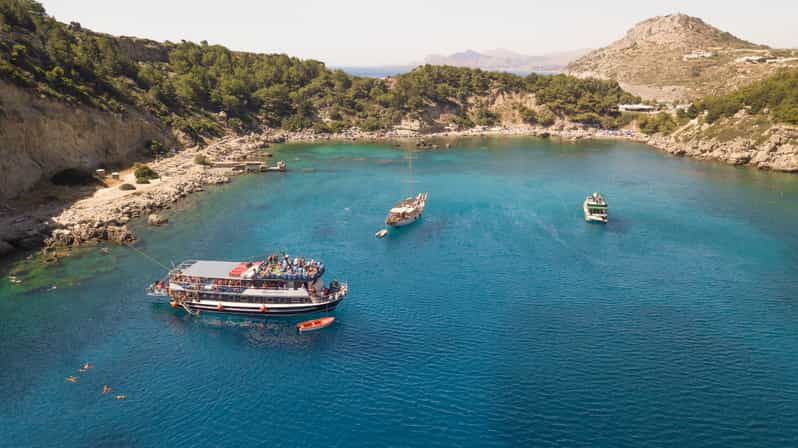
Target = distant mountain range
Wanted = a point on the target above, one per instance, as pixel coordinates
(492, 60)
(506, 60)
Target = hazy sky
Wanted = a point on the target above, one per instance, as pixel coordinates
(373, 32)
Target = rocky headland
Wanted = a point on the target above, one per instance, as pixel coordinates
(103, 214)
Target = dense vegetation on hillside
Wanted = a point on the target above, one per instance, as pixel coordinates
(777, 95)
(202, 87)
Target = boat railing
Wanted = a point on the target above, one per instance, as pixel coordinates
(338, 292)
(204, 287)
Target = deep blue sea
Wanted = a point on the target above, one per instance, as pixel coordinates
(500, 319)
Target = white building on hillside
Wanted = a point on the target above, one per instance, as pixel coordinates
(636, 108)
(698, 54)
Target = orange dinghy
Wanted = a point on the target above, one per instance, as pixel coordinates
(315, 324)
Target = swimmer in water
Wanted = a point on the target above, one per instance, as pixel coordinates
(106, 389)
(72, 379)
(121, 397)
(87, 366)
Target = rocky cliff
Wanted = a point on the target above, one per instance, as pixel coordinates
(40, 137)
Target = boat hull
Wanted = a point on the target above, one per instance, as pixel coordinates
(598, 219)
(271, 311)
(405, 222)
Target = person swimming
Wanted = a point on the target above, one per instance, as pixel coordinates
(121, 397)
(72, 379)
(106, 389)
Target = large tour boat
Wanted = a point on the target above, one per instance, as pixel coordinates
(595, 208)
(276, 285)
(407, 211)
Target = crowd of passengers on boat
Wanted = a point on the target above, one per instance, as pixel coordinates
(286, 267)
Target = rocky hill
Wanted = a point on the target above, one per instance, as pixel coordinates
(678, 57)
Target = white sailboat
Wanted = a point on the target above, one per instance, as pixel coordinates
(408, 210)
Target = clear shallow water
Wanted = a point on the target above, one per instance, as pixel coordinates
(501, 319)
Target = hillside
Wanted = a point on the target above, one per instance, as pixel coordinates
(754, 125)
(186, 92)
(678, 57)
(506, 60)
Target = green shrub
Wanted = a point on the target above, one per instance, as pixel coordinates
(462, 122)
(127, 187)
(143, 173)
(485, 117)
(371, 124)
(154, 146)
(546, 117)
(528, 115)
(662, 122)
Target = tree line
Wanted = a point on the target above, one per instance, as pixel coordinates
(202, 86)
(776, 95)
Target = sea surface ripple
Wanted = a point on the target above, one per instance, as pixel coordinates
(500, 319)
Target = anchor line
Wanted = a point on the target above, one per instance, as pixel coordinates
(147, 256)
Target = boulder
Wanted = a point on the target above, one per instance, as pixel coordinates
(739, 158)
(119, 234)
(61, 237)
(156, 220)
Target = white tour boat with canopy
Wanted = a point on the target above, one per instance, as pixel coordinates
(276, 285)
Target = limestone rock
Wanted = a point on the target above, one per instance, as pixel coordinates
(156, 220)
(120, 235)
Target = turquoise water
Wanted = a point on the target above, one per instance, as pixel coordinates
(500, 319)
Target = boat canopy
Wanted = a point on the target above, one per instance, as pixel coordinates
(403, 209)
(232, 270)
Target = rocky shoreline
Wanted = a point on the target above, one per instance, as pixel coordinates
(571, 133)
(777, 152)
(104, 215)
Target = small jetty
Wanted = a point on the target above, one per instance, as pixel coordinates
(251, 166)
(315, 324)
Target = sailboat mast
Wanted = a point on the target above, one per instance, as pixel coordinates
(410, 168)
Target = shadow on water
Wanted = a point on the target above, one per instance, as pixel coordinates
(424, 228)
(616, 224)
(267, 332)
